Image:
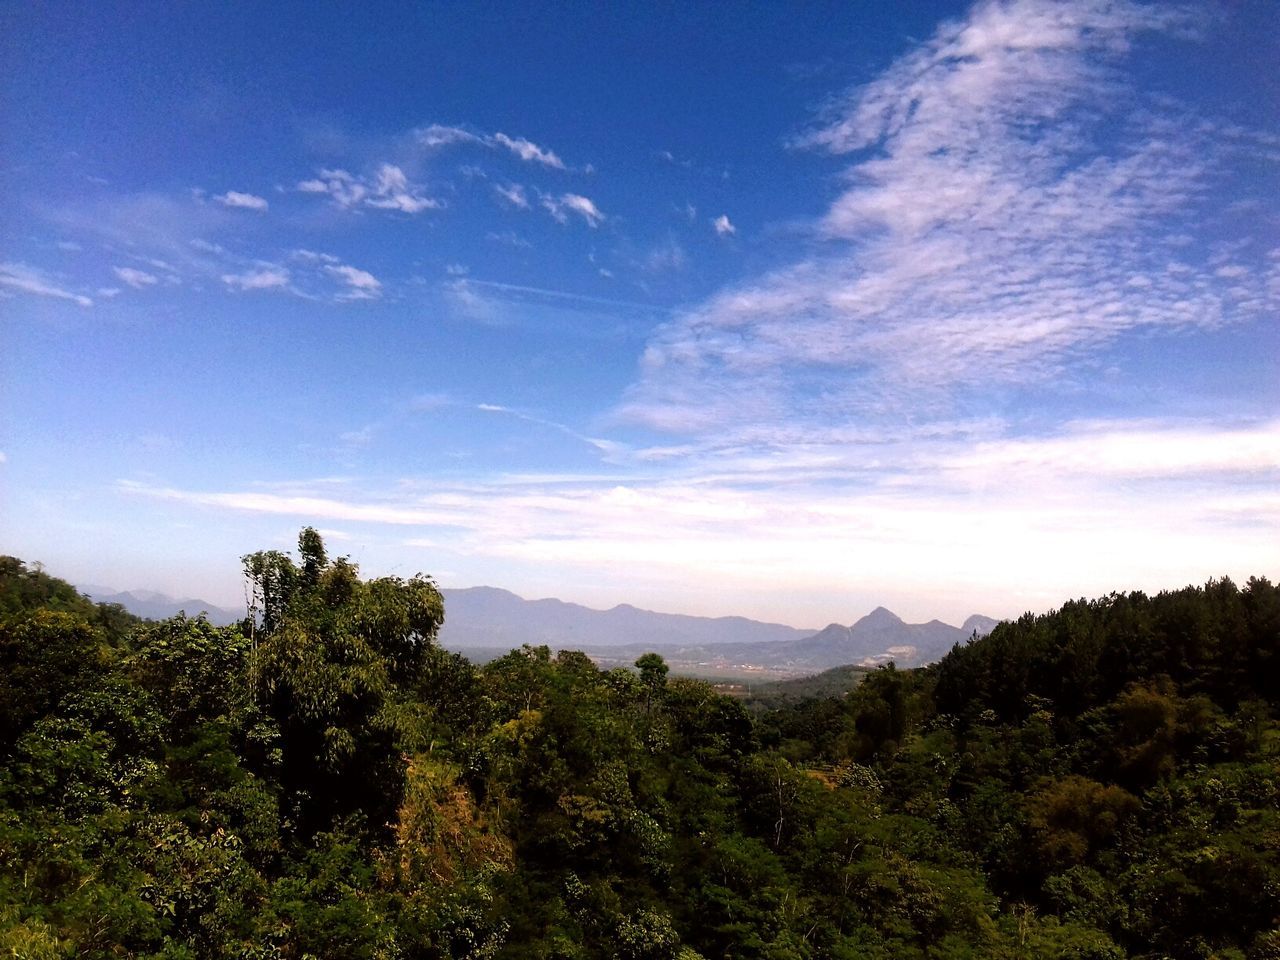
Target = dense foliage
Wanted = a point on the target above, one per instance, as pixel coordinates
(325, 781)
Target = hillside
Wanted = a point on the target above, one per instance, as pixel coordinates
(1100, 781)
(152, 605)
(485, 622)
(878, 638)
(836, 682)
(490, 617)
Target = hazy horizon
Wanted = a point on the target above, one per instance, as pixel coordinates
(784, 313)
(98, 591)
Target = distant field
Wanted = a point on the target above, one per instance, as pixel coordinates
(746, 675)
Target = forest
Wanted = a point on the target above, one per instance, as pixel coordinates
(324, 780)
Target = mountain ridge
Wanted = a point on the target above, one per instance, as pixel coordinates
(494, 618)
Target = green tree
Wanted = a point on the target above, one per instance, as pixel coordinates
(336, 658)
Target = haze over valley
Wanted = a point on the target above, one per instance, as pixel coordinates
(486, 622)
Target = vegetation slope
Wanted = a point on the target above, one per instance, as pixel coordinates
(324, 781)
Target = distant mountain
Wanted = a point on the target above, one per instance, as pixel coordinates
(979, 624)
(882, 636)
(158, 606)
(486, 617)
(482, 619)
(487, 621)
(879, 637)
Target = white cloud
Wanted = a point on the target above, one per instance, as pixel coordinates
(723, 227)
(361, 285)
(529, 151)
(359, 438)
(388, 189)
(990, 232)
(465, 298)
(266, 277)
(560, 208)
(511, 239)
(936, 510)
(19, 276)
(135, 278)
(200, 243)
(1123, 450)
(246, 201)
(438, 135)
(311, 256)
(392, 191)
(317, 271)
(664, 257)
(514, 194)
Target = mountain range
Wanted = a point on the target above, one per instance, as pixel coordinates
(159, 606)
(487, 621)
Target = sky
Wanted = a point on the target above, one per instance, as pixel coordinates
(780, 310)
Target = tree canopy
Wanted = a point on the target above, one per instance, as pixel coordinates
(323, 780)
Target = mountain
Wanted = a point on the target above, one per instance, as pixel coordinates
(159, 606)
(488, 620)
(882, 636)
(487, 617)
(979, 624)
(879, 637)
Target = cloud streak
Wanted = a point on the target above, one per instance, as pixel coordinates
(438, 136)
(26, 279)
(573, 203)
(244, 201)
(389, 188)
(945, 511)
(266, 277)
(984, 235)
(138, 279)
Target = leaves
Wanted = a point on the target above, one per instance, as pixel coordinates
(324, 781)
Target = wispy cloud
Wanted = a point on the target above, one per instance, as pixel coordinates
(361, 284)
(463, 295)
(138, 279)
(388, 189)
(19, 276)
(245, 201)
(529, 151)
(439, 135)
(513, 193)
(942, 511)
(560, 207)
(267, 277)
(316, 272)
(511, 239)
(985, 235)
(664, 257)
(723, 227)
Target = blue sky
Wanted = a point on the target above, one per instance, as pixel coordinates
(783, 311)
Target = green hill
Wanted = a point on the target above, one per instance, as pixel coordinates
(1101, 781)
(836, 682)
